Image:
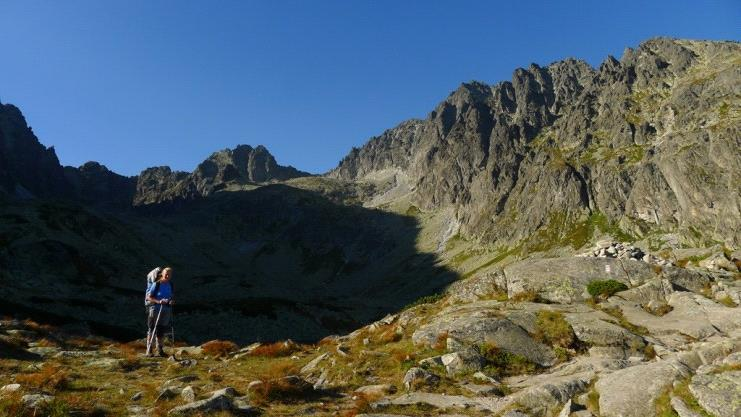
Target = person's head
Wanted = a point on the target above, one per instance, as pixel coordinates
(166, 274)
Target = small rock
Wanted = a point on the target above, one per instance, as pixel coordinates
(188, 394)
(10, 388)
(167, 394)
(138, 396)
(376, 390)
(255, 385)
(416, 377)
(485, 378)
(36, 400)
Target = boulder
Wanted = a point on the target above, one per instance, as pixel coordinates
(468, 360)
(188, 394)
(472, 330)
(681, 408)
(36, 400)
(376, 390)
(687, 279)
(418, 377)
(564, 280)
(10, 388)
(596, 332)
(719, 393)
(632, 392)
(220, 400)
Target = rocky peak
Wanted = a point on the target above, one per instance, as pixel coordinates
(239, 166)
(567, 141)
(28, 169)
(96, 184)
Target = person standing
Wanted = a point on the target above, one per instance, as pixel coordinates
(159, 298)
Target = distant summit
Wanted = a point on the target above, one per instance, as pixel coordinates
(243, 165)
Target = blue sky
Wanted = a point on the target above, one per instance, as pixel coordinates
(141, 83)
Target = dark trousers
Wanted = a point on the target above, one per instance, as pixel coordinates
(162, 323)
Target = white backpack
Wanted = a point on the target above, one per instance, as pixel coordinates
(151, 278)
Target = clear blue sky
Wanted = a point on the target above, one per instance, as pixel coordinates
(140, 83)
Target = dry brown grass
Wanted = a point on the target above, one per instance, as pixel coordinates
(361, 404)
(219, 348)
(390, 335)
(50, 377)
(276, 350)
(276, 387)
(441, 343)
(528, 295)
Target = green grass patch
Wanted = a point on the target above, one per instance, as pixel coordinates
(427, 299)
(502, 363)
(552, 328)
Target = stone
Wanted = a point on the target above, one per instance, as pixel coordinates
(312, 365)
(180, 380)
(211, 404)
(418, 377)
(242, 406)
(189, 350)
(483, 390)
(376, 390)
(76, 353)
(36, 400)
(105, 363)
(468, 360)
(255, 385)
(188, 394)
(44, 351)
(168, 393)
(10, 388)
(681, 408)
(474, 330)
(632, 392)
(720, 393)
(137, 396)
(566, 410)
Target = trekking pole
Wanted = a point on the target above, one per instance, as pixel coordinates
(153, 331)
(172, 328)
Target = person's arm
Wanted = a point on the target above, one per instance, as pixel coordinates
(152, 299)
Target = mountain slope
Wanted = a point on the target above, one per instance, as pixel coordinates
(648, 144)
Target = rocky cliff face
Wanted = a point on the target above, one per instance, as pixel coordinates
(27, 168)
(647, 143)
(95, 184)
(230, 167)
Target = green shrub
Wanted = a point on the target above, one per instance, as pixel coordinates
(605, 288)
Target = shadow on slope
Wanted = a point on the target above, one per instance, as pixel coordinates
(272, 263)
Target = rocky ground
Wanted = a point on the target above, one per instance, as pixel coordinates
(616, 332)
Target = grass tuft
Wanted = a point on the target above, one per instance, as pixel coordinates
(219, 348)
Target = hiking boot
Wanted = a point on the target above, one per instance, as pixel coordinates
(161, 354)
(149, 354)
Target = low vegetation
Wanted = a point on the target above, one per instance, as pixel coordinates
(605, 288)
(501, 363)
(553, 329)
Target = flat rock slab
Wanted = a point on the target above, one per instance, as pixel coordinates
(632, 392)
(720, 394)
(564, 280)
(477, 330)
(549, 393)
(682, 409)
(442, 401)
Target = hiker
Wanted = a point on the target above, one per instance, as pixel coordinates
(159, 300)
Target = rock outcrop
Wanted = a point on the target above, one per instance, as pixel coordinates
(236, 167)
(648, 142)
